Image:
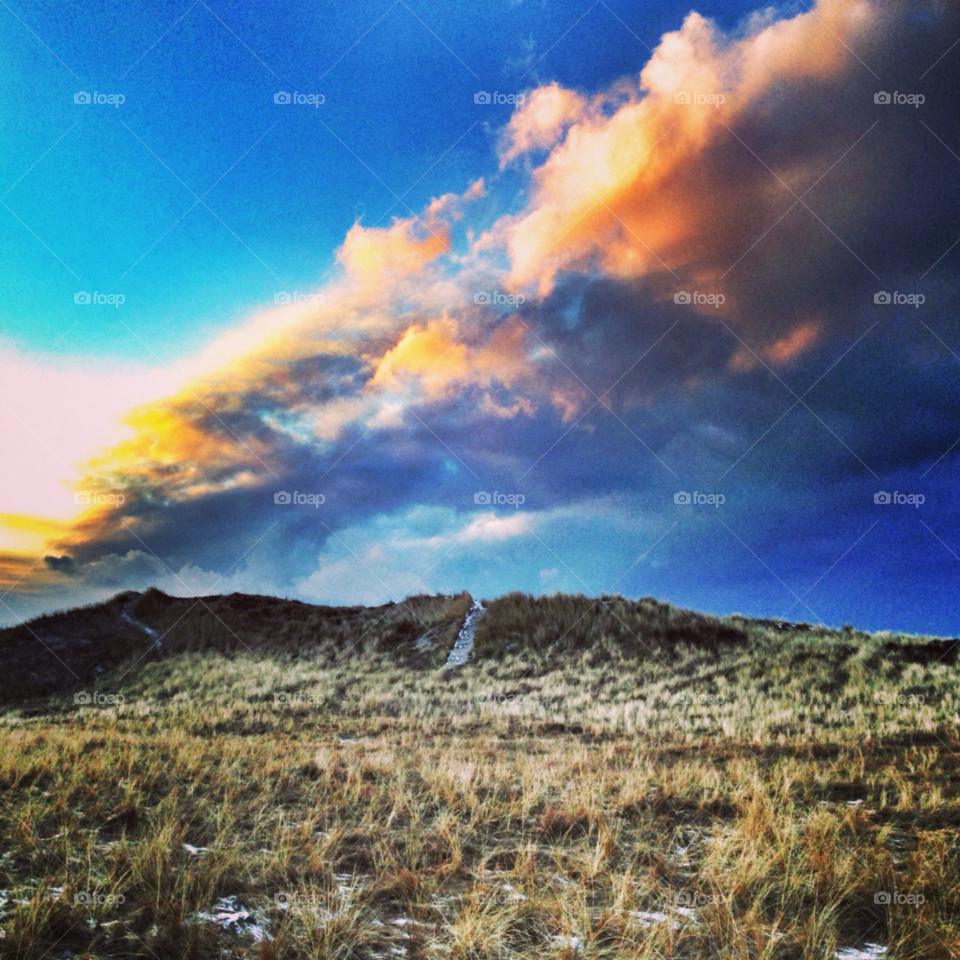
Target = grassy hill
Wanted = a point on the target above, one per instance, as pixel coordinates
(54, 654)
(597, 665)
(604, 778)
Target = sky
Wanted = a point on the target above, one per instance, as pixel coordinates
(352, 302)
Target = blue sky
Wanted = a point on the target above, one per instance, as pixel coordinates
(109, 186)
(594, 393)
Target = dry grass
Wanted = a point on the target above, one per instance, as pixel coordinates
(755, 787)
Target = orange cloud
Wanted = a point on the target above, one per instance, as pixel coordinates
(646, 180)
(28, 533)
(793, 344)
(539, 123)
(221, 428)
(169, 439)
(17, 573)
(780, 352)
(439, 362)
(368, 253)
(650, 179)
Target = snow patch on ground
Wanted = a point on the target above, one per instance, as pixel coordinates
(869, 951)
(229, 914)
(650, 918)
(461, 649)
(149, 631)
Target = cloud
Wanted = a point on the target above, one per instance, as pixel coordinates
(370, 253)
(394, 394)
(790, 192)
(59, 564)
(540, 122)
(54, 414)
(440, 549)
(491, 527)
(440, 358)
(394, 555)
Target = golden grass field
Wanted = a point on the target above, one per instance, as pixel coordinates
(604, 778)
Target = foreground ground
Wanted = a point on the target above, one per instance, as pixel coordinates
(704, 789)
